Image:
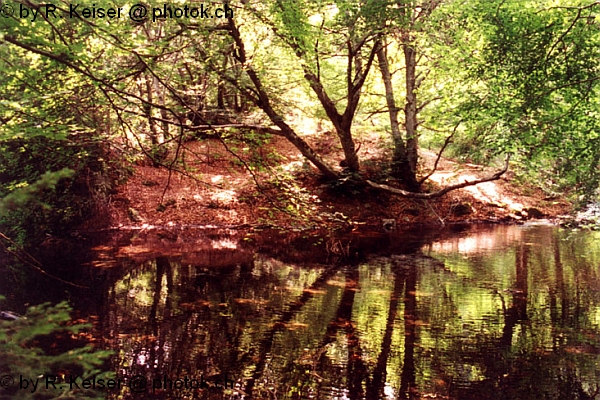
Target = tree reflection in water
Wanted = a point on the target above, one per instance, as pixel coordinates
(516, 315)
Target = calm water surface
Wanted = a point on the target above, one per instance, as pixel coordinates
(504, 312)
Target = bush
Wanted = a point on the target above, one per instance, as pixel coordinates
(25, 354)
(52, 208)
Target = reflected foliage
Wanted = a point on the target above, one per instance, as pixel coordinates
(505, 312)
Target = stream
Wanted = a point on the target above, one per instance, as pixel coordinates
(467, 312)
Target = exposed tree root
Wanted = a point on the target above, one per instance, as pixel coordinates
(441, 192)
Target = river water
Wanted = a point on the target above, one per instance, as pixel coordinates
(477, 312)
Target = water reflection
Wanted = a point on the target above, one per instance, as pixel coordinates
(501, 312)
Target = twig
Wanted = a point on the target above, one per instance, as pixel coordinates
(437, 160)
(435, 213)
(28, 259)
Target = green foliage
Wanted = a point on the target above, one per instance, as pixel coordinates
(531, 89)
(293, 23)
(22, 356)
(35, 201)
(54, 168)
(293, 198)
(27, 194)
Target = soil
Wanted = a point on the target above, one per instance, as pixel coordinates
(218, 189)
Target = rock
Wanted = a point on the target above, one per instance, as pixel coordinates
(515, 208)
(8, 316)
(149, 183)
(134, 215)
(534, 213)
(168, 203)
(389, 225)
(460, 209)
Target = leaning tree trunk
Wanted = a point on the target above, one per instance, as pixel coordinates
(342, 123)
(259, 96)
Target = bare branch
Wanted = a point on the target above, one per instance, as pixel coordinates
(258, 128)
(437, 160)
(426, 103)
(23, 256)
(440, 193)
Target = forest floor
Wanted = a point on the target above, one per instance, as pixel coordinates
(218, 189)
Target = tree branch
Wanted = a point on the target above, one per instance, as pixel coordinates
(437, 160)
(264, 103)
(29, 260)
(440, 193)
(258, 128)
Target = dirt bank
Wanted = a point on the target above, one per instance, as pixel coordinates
(219, 189)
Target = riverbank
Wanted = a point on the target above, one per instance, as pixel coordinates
(222, 189)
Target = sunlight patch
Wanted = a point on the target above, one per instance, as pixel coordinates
(224, 244)
(225, 196)
(293, 166)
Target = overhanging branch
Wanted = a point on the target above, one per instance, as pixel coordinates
(440, 193)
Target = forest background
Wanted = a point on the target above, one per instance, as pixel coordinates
(89, 97)
(85, 100)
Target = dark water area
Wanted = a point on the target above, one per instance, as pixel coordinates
(471, 312)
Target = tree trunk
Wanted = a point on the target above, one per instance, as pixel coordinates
(410, 110)
(148, 112)
(341, 123)
(355, 77)
(348, 145)
(221, 95)
(164, 114)
(259, 96)
(401, 168)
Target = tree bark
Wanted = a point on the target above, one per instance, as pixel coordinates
(410, 110)
(400, 165)
(356, 75)
(148, 112)
(441, 192)
(341, 123)
(260, 97)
